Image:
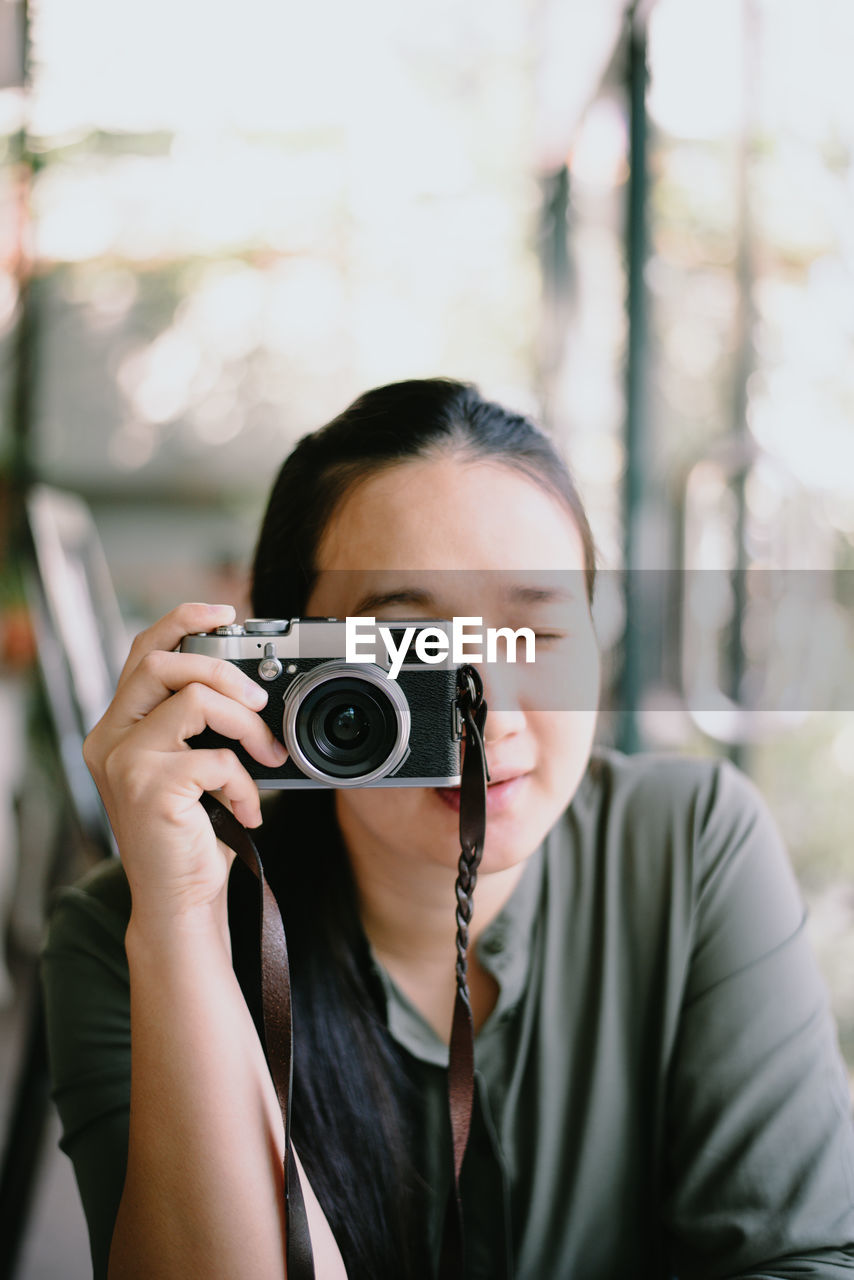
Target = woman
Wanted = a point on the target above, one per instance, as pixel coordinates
(659, 1089)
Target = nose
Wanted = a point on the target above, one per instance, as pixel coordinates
(502, 724)
(504, 715)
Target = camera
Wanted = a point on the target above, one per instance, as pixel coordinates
(345, 724)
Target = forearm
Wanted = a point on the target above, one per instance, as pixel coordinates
(203, 1191)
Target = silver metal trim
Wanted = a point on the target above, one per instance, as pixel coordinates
(316, 639)
(299, 689)
(281, 784)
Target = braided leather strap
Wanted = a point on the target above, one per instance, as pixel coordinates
(461, 1053)
(278, 1029)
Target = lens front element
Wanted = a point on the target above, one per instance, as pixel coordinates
(346, 726)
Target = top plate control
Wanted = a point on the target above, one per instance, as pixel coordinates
(266, 626)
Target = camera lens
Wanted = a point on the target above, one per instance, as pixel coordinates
(346, 728)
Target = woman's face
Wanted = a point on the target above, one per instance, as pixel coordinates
(445, 538)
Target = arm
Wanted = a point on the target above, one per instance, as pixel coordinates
(202, 1193)
(760, 1181)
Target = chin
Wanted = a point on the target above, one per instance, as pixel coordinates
(516, 821)
(497, 856)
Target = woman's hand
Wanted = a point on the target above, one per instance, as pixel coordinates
(203, 1191)
(150, 780)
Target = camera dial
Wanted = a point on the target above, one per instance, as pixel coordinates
(266, 626)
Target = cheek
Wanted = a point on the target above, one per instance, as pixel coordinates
(568, 679)
(564, 677)
(564, 740)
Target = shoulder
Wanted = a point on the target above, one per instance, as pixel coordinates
(92, 914)
(682, 829)
(695, 839)
(86, 990)
(671, 778)
(648, 795)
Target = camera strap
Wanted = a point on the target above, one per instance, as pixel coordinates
(475, 776)
(276, 990)
(278, 1029)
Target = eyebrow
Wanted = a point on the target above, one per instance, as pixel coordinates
(375, 600)
(541, 595)
(381, 599)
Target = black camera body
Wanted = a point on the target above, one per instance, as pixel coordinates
(344, 724)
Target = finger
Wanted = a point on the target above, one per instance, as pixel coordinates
(218, 770)
(159, 674)
(168, 632)
(198, 707)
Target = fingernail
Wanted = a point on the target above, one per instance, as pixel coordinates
(280, 751)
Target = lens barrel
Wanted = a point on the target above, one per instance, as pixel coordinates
(346, 725)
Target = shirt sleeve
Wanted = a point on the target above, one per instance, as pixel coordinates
(87, 1008)
(760, 1171)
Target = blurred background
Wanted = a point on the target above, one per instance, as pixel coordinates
(220, 223)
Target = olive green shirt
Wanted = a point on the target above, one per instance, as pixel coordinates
(659, 1089)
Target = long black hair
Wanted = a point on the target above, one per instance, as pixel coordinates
(354, 1114)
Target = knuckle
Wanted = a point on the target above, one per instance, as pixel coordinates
(140, 640)
(237, 777)
(221, 768)
(125, 776)
(136, 646)
(222, 672)
(195, 695)
(151, 662)
(115, 767)
(225, 760)
(91, 753)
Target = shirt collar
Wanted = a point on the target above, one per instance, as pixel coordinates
(504, 950)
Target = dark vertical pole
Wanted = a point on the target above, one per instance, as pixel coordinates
(20, 465)
(636, 444)
(555, 274)
(743, 364)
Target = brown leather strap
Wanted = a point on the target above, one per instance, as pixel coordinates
(278, 1033)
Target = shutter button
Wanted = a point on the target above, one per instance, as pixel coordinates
(269, 668)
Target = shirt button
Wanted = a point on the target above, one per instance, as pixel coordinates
(493, 945)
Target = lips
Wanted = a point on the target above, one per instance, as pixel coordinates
(501, 793)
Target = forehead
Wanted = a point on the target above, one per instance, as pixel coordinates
(443, 536)
(445, 513)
